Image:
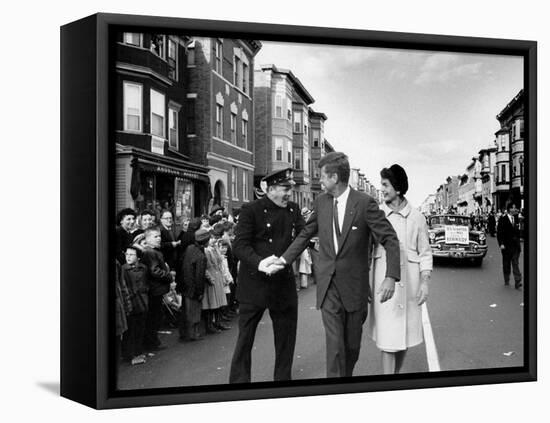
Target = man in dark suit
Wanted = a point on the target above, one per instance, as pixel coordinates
(266, 228)
(347, 222)
(508, 238)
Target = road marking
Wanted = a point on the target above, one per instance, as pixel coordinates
(431, 350)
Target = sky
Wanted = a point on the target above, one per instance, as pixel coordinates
(430, 112)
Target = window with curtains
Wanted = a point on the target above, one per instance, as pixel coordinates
(244, 134)
(234, 177)
(316, 136)
(245, 184)
(158, 113)
(218, 56)
(233, 128)
(173, 127)
(219, 121)
(278, 149)
(172, 60)
(132, 101)
(298, 122)
(278, 106)
(298, 158)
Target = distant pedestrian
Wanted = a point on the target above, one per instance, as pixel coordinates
(491, 223)
(169, 245)
(508, 237)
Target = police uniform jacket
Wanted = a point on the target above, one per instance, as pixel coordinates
(265, 229)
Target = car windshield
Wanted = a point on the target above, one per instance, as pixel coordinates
(449, 220)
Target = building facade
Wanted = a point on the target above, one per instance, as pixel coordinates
(156, 168)
(487, 159)
(317, 127)
(510, 153)
(220, 104)
(282, 128)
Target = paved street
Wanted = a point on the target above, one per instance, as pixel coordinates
(477, 322)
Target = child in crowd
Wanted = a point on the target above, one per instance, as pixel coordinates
(214, 296)
(223, 246)
(159, 277)
(192, 285)
(134, 275)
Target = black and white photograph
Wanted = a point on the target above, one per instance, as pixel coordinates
(290, 211)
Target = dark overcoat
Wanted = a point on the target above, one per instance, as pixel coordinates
(265, 229)
(508, 234)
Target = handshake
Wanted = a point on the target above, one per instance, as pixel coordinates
(271, 265)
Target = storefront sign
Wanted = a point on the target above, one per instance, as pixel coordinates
(180, 173)
(457, 235)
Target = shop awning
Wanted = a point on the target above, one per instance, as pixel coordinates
(177, 171)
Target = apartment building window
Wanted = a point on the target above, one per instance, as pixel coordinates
(246, 78)
(289, 152)
(219, 121)
(306, 160)
(278, 149)
(298, 122)
(233, 128)
(173, 127)
(132, 107)
(244, 134)
(158, 113)
(245, 184)
(521, 128)
(278, 106)
(133, 38)
(172, 60)
(218, 56)
(315, 165)
(297, 158)
(316, 137)
(158, 45)
(237, 71)
(503, 173)
(305, 128)
(190, 115)
(234, 192)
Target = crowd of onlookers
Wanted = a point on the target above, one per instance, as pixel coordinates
(186, 280)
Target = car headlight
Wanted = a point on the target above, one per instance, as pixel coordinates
(481, 237)
(432, 235)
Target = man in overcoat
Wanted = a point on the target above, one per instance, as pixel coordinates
(266, 228)
(347, 222)
(508, 238)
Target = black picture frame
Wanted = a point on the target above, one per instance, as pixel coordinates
(86, 196)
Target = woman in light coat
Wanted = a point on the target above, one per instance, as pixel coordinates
(396, 324)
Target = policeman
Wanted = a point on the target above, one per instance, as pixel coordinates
(266, 227)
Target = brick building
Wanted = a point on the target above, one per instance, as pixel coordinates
(317, 127)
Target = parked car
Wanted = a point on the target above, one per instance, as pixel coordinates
(452, 236)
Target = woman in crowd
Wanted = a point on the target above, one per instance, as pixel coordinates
(396, 324)
(125, 220)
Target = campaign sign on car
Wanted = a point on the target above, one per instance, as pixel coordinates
(457, 235)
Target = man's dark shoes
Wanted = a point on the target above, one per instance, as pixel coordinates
(221, 326)
(518, 285)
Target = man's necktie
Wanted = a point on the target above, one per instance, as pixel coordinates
(336, 223)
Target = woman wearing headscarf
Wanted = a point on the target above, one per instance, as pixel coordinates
(396, 324)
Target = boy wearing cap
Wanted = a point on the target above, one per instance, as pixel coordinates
(266, 228)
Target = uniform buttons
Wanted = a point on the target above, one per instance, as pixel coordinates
(270, 240)
(269, 225)
(265, 210)
(291, 210)
(401, 284)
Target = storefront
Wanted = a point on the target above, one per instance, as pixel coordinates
(146, 182)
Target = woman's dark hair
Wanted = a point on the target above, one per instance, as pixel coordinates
(336, 162)
(123, 213)
(147, 212)
(397, 177)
